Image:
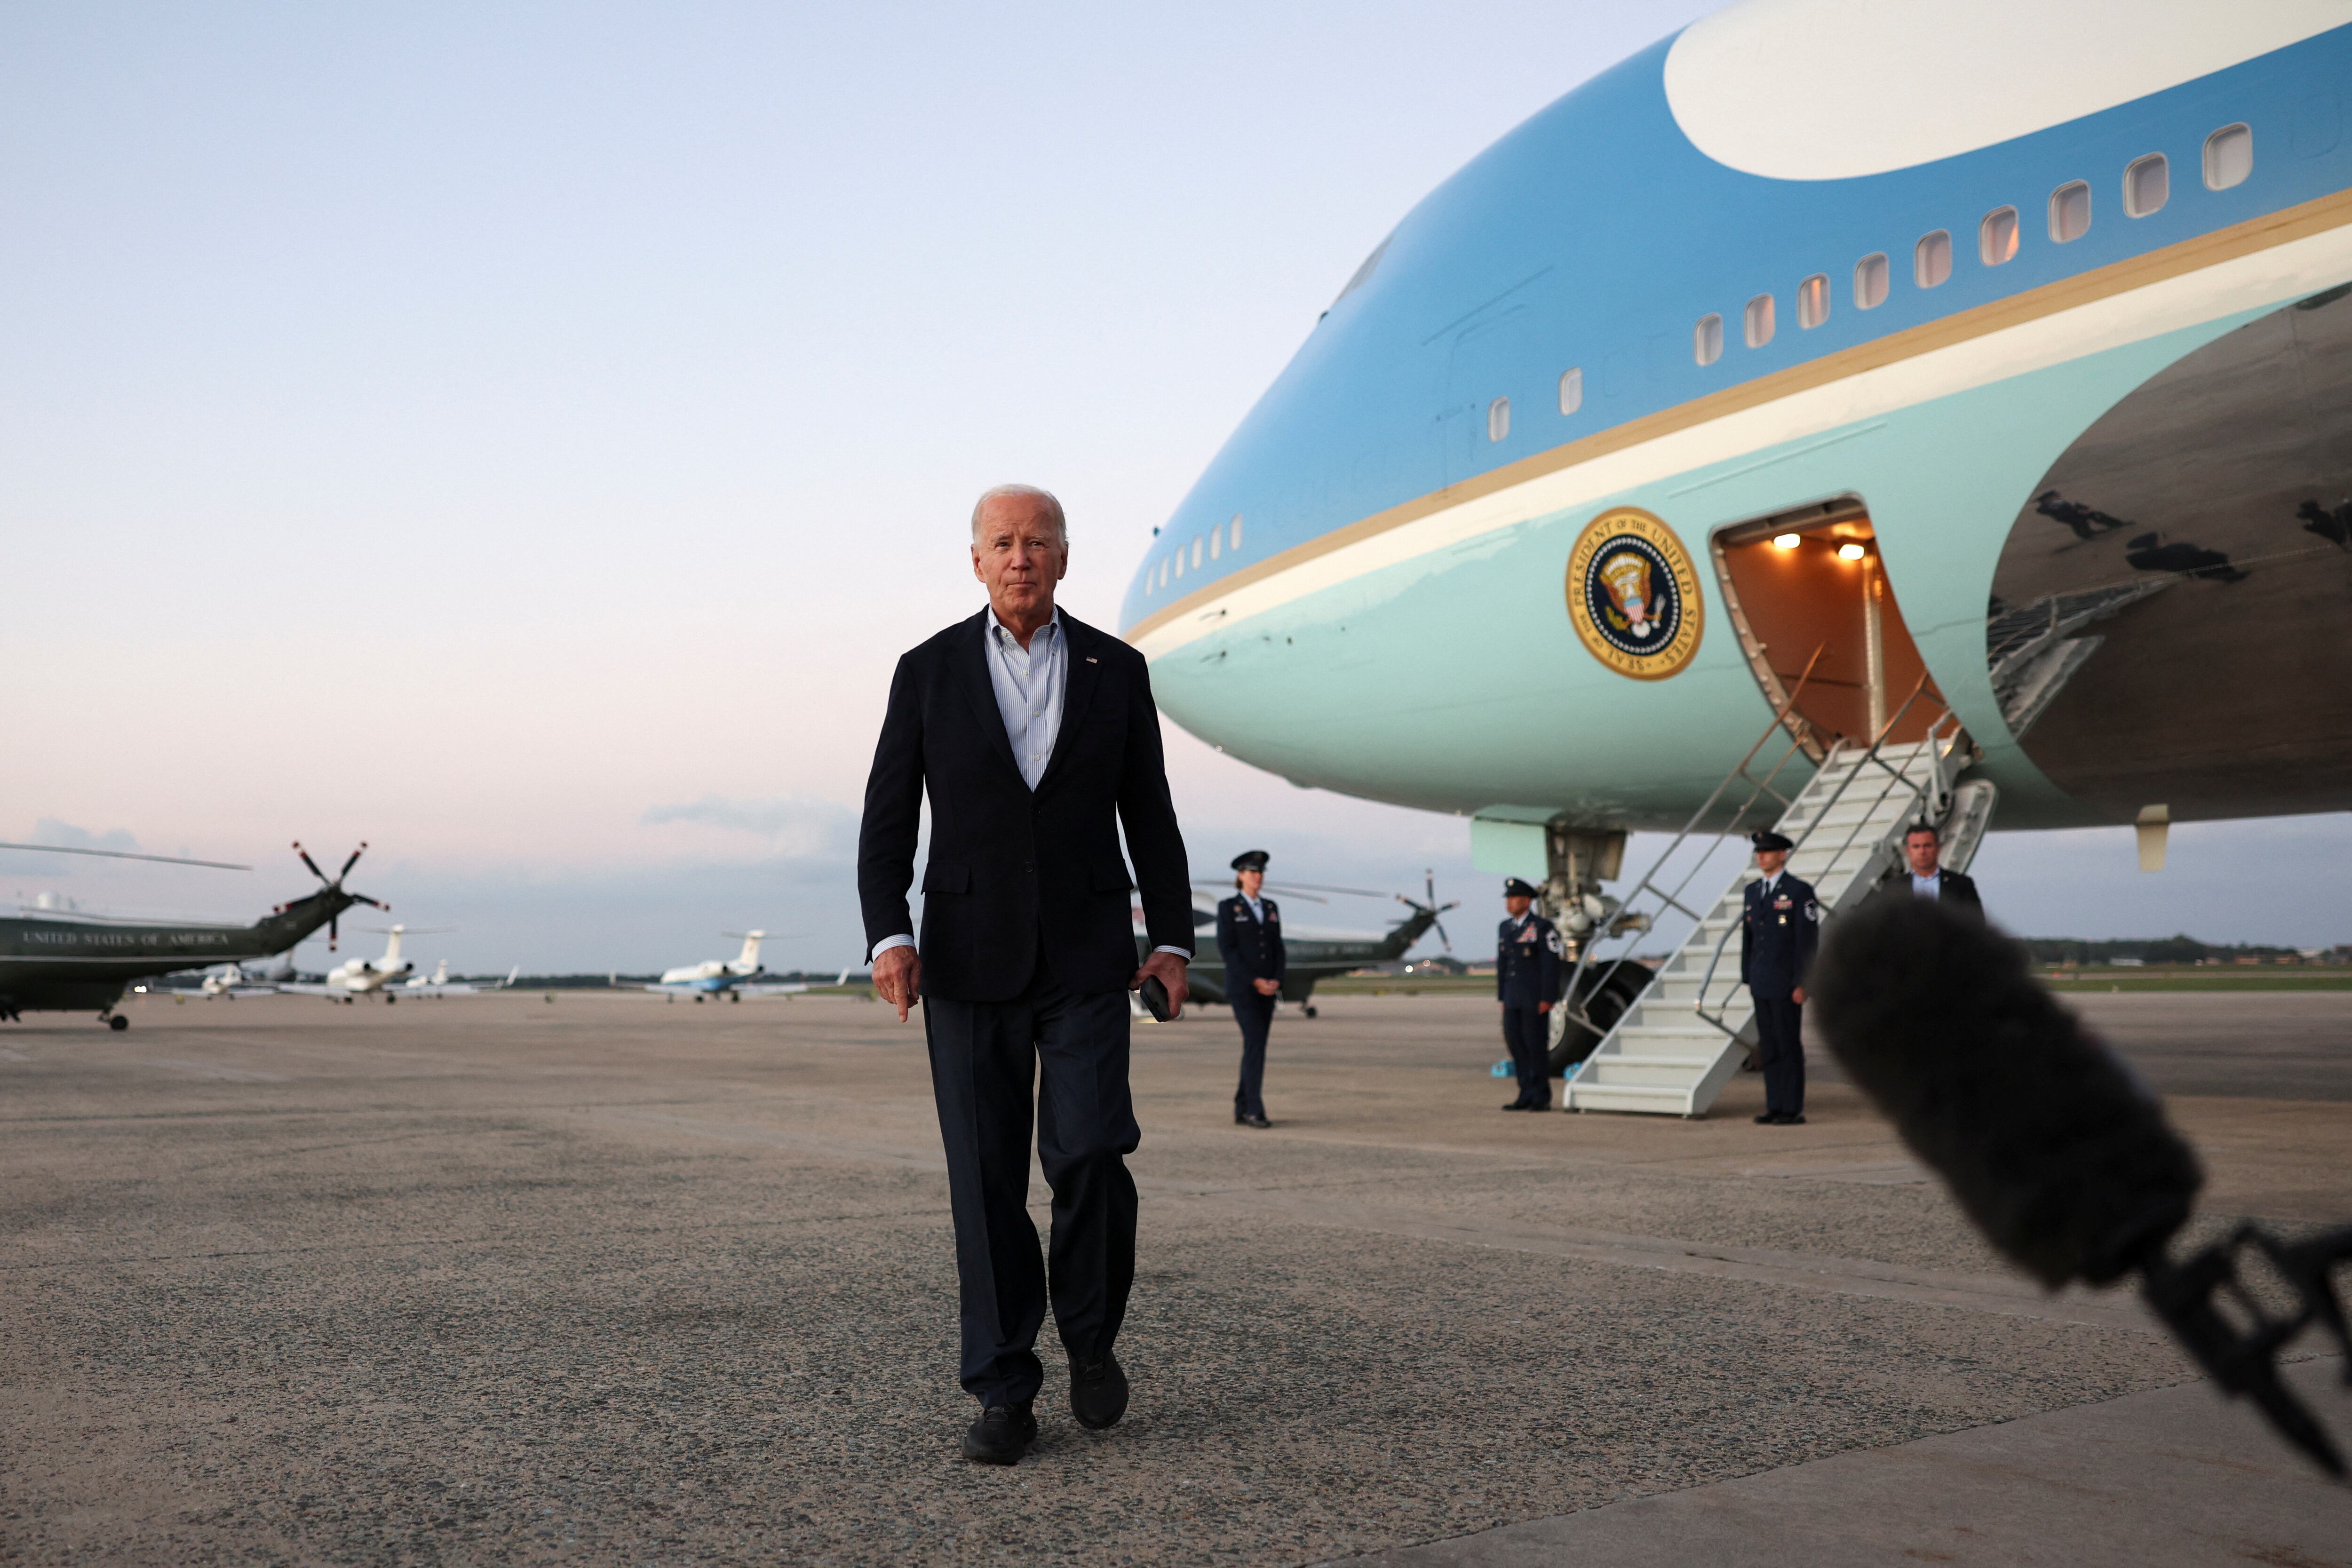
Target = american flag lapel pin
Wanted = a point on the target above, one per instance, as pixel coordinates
(1092, 659)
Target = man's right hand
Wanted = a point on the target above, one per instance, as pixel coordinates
(898, 978)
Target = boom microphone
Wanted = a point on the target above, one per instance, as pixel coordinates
(2050, 1143)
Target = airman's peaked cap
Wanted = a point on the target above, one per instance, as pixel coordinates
(1251, 860)
(1515, 888)
(1767, 839)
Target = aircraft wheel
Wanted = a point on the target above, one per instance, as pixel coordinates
(1607, 990)
(389, 999)
(118, 1023)
(734, 996)
(697, 998)
(1310, 1009)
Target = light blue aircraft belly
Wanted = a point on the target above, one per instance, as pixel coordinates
(1366, 590)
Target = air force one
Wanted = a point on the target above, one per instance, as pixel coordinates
(1958, 395)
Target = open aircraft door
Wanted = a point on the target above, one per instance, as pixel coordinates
(1819, 622)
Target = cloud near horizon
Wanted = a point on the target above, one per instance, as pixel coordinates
(796, 826)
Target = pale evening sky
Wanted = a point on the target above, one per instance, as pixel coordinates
(524, 437)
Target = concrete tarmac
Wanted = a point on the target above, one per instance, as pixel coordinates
(614, 1279)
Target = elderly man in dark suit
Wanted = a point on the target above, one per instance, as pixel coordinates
(1036, 738)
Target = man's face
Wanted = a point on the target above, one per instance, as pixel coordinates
(1021, 556)
(1769, 861)
(1252, 879)
(1517, 903)
(1921, 849)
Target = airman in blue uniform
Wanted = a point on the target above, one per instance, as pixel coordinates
(1526, 982)
(1249, 939)
(1778, 928)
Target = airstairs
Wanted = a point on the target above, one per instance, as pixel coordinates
(1674, 1049)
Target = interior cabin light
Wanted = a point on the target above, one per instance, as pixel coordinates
(1786, 540)
(1851, 551)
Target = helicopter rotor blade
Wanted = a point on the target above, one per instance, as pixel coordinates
(331, 932)
(307, 861)
(126, 855)
(1441, 931)
(1320, 888)
(352, 861)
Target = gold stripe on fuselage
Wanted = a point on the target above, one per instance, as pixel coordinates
(2253, 235)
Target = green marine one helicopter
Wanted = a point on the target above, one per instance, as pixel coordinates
(84, 964)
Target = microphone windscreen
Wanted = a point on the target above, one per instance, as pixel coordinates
(2050, 1143)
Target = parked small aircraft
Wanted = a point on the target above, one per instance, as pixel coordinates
(358, 977)
(257, 979)
(733, 978)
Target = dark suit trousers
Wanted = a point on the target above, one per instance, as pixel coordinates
(984, 1057)
(1780, 1044)
(1254, 1013)
(1529, 1034)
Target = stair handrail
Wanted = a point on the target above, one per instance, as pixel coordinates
(1925, 790)
(1572, 1002)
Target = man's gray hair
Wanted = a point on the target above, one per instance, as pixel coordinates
(1026, 492)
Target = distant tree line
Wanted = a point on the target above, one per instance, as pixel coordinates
(2179, 949)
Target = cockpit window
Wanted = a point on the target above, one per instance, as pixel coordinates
(1364, 273)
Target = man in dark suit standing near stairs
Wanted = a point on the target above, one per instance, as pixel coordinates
(1923, 875)
(1036, 738)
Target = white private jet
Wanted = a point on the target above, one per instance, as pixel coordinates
(733, 978)
(357, 978)
(441, 985)
(261, 979)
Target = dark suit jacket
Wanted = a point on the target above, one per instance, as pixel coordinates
(1250, 951)
(1008, 864)
(1951, 888)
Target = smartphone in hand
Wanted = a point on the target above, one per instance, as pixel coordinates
(1155, 998)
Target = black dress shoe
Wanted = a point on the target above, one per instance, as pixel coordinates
(1258, 1121)
(1516, 1105)
(1767, 1119)
(1098, 1390)
(1001, 1435)
(1795, 1119)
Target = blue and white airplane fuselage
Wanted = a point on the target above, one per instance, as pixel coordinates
(2028, 318)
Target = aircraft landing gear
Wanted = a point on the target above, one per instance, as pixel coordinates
(697, 998)
(389, 998)
(1307, 1009)
(118, 1023)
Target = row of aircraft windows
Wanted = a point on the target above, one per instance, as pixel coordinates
(1203, 547)
(2147, 184)
(2229, 159)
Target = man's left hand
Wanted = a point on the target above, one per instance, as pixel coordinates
(1543, 1007)
(1170, 970)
